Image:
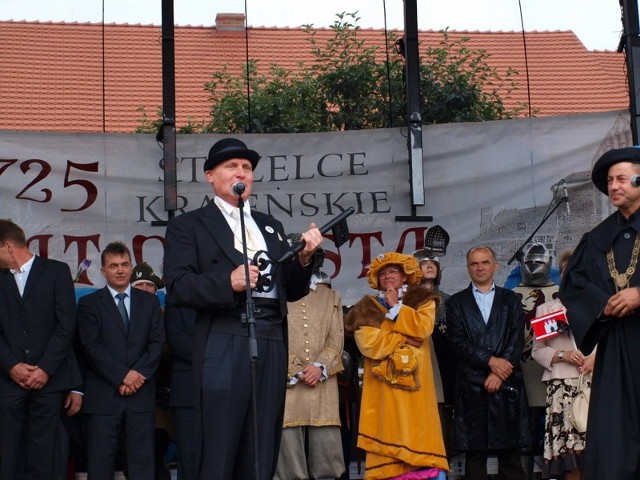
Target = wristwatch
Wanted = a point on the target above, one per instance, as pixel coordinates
(560, 354)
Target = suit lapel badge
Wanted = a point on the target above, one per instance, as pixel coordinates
(269, 229)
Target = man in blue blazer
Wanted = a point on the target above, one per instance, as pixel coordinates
(204, 270)
(37, 364)
(122, 335)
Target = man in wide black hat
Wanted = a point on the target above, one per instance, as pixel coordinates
(205, 270)
(601, 292)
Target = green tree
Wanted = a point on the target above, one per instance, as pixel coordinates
(353, 86)
(280, 101)
(345, 88)
(351, 80)
(458, 85)
(147, 125)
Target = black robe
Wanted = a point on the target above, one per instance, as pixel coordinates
(613, 431)
(483, 420)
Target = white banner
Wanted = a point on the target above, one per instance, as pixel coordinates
(484, 183)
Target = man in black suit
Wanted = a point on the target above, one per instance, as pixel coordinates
(204, 270)
(122, 335)
(179, 324)
(485, 324)
(38, 366)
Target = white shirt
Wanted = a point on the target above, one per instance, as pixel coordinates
(21, 275)
(226, 208)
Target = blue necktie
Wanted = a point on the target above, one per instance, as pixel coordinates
(122, 309)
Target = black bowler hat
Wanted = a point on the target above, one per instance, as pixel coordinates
(228, 148)
(600, 170)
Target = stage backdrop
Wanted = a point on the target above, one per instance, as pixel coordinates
(486, 182)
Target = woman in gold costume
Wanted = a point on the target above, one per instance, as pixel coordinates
(399, 423)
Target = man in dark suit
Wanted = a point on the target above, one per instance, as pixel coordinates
(38, 366)
(122, 338)
(204, 270)
(179, 327)
(70, 436)
(144, 278)
(485, 324)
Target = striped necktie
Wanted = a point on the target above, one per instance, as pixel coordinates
(253, 245)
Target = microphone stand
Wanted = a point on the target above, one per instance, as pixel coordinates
(248, 319)
(519, 253)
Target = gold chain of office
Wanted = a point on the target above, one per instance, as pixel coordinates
(622, 279)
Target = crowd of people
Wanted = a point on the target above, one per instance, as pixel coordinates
(246, 355)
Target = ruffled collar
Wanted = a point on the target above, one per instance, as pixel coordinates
(380, 297)
(401, 292)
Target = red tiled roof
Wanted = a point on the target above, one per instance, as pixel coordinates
(52, 73)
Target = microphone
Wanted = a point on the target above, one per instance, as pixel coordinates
(238, 188)
(565, 197)
(635, 181)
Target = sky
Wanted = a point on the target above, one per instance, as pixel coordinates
(597, 23)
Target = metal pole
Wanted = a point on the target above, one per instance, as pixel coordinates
(169, 109)
(631, 42)
(414, 111)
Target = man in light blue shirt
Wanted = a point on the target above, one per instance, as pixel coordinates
(485, 324)
(484, 300)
